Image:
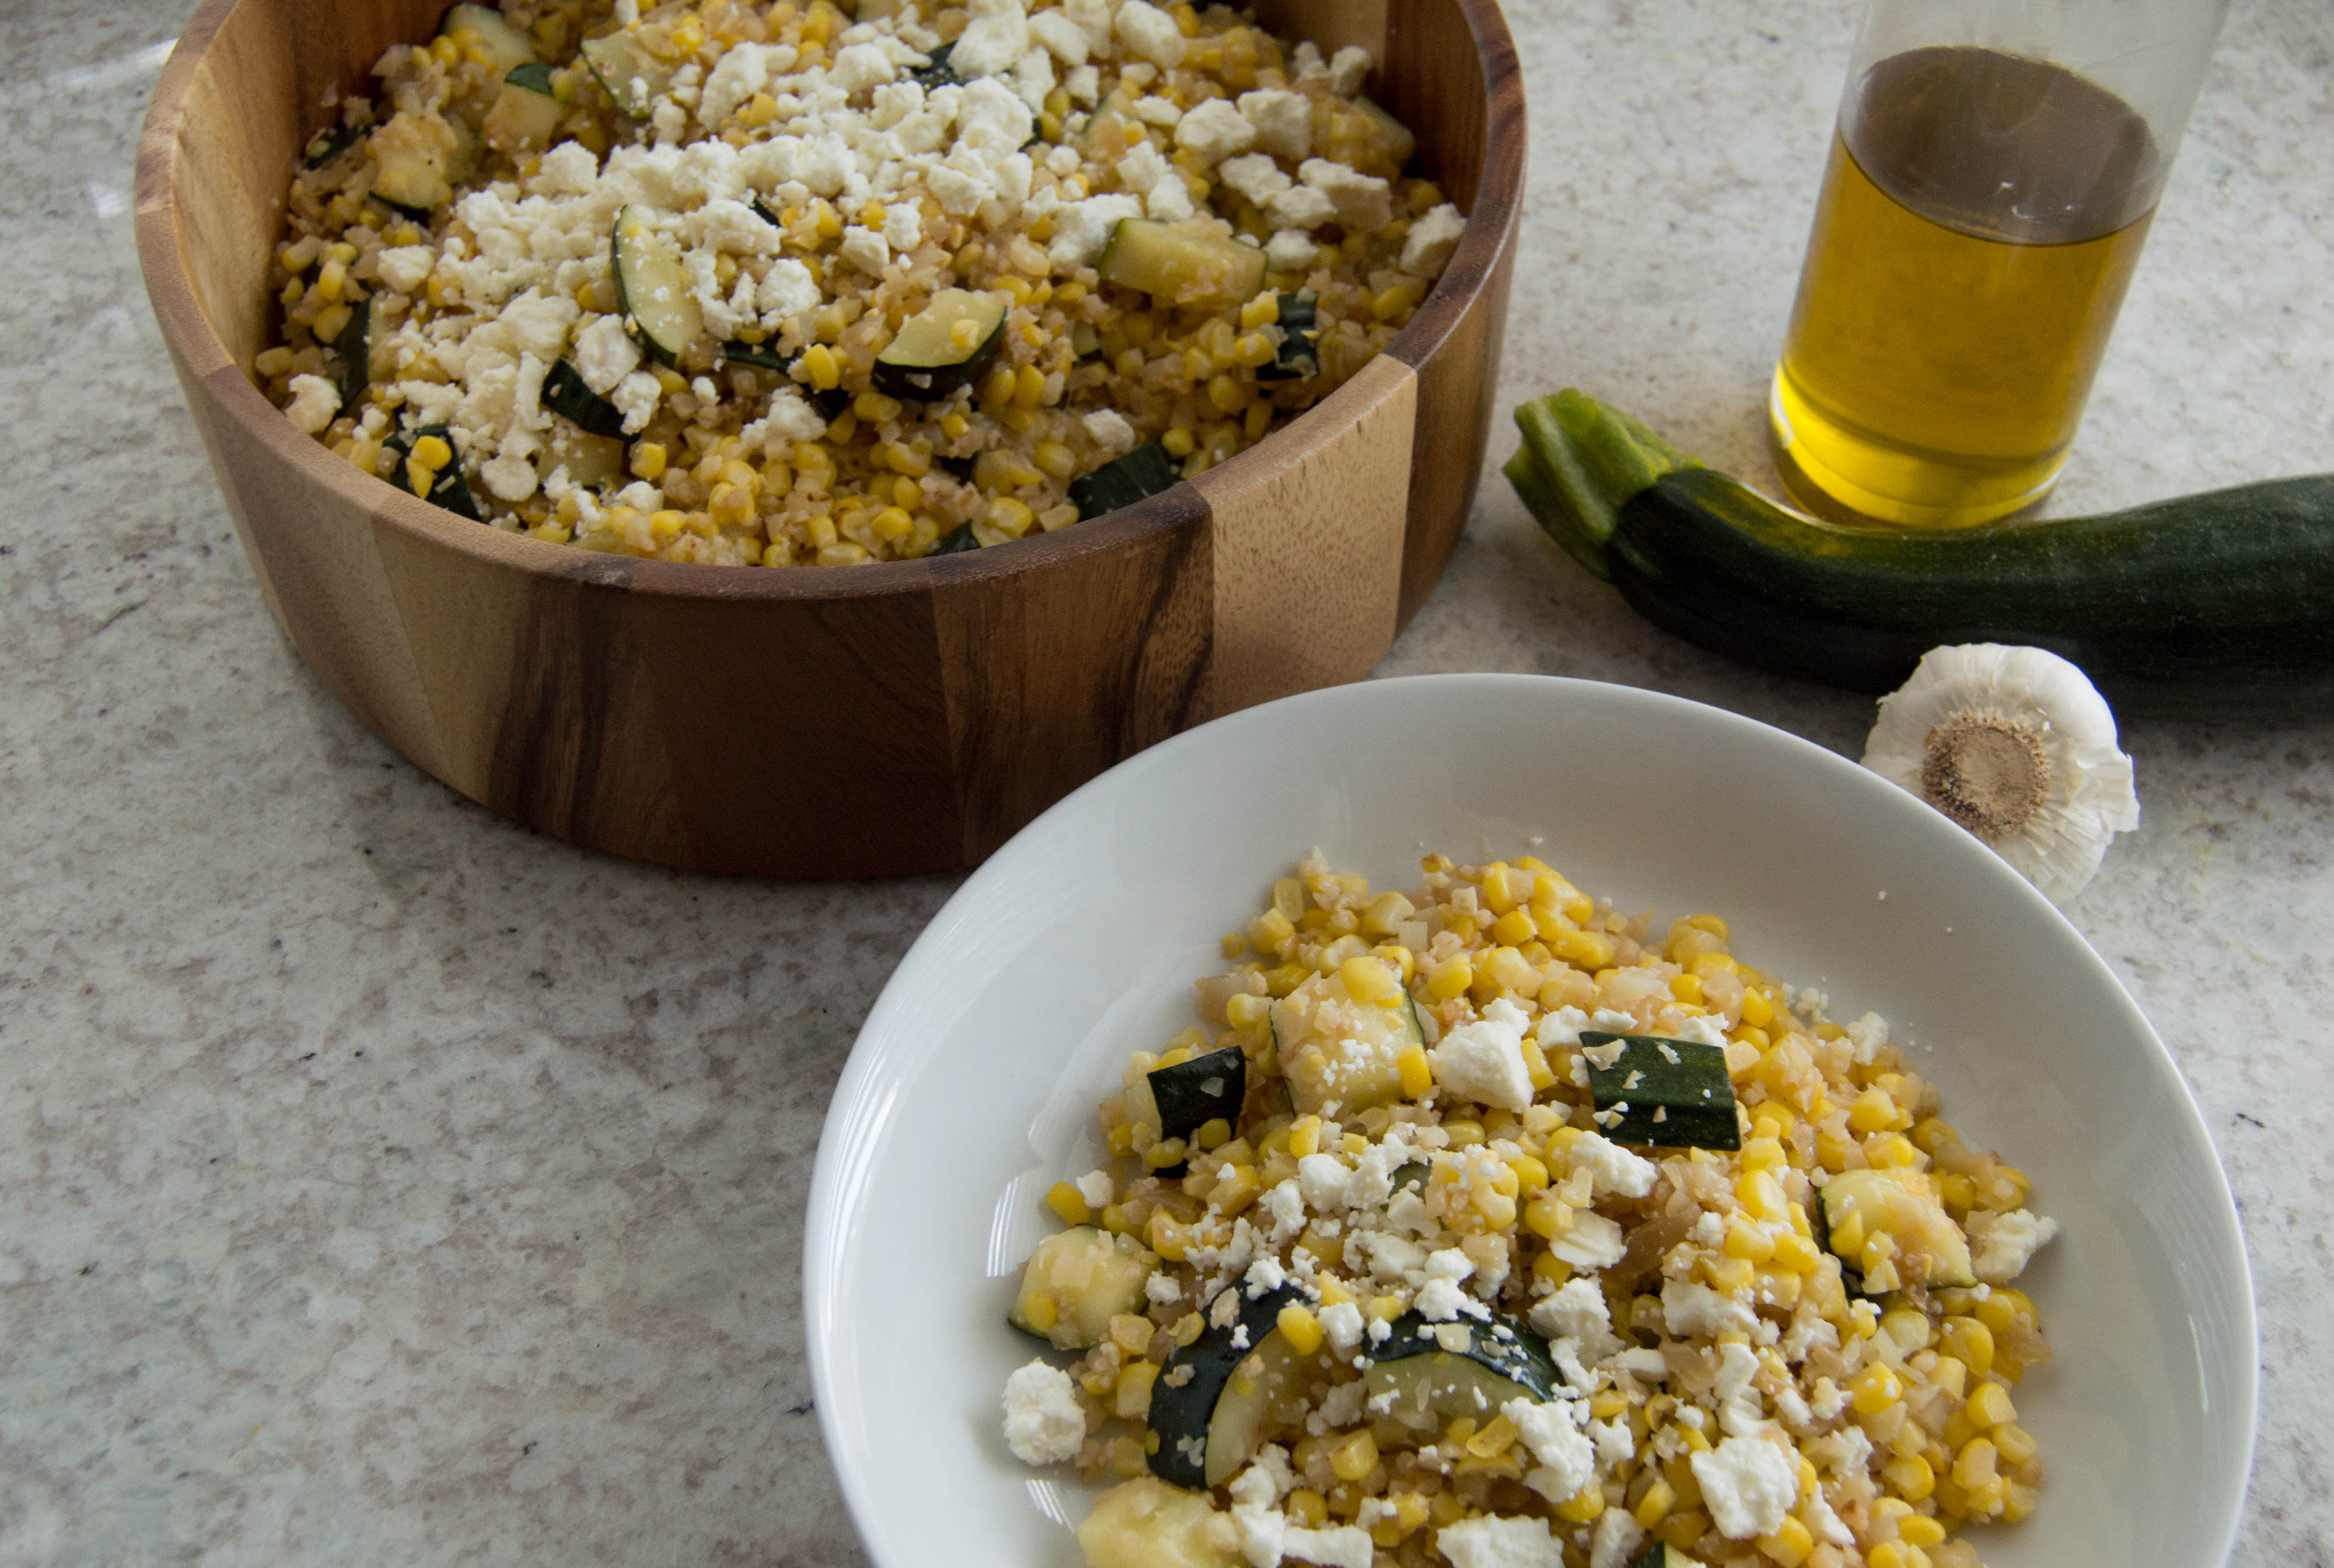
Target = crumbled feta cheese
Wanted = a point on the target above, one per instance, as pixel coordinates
(1080, 228)
(1616, 1537)
(866, 249)
(1254, 176)
(1867, 1034)
(1108, 430)
(1063, 37)
(1494, 1541)
(1691, 1310)
(997, 35)
(1577, 1311)
(1749, 1485)
(1324, 1181)
(1440, 1301)
(1593, 1243)
(1283, 122)
(1433, 238)
(606, 355)
(1567, 1459)
(1484, 1060)
(1343, 1323)
(1096, 1187)
(1739, 1409)
(1561, 1027)
(1154, 110)
(1216, 130)
(406, 267)
(1300, 207)
(2003, 1244)
(1265, 1276)
(636, 397)
(1310, 65)
(1043, 1423)
(1084, 84)
(1291, 250)
(1364, 202)
(1612, 1168)
(1150, 32)
(314, 402)
(1348, 68)
(1169, 199)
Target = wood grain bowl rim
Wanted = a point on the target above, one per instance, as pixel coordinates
(188, 333)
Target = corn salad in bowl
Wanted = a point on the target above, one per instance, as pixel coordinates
(1491, 1225)
(759, 284)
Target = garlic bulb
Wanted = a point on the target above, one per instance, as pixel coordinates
(2016, 746)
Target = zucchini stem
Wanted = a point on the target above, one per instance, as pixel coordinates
(1581, 461)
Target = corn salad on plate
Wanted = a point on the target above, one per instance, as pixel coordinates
(1465, 1214)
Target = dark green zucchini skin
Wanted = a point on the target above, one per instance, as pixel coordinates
(2213, 606)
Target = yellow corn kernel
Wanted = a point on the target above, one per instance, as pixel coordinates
(1367, 979)
(1302, 1329)
(1750, 1036)
(1875, 1389)
(1451, 977)
(1990, 1406)
(1134, 1382)
(1848, 1236)
(1009, 517)
(1028, 388)
(1262, 311)
(1306, 1507)
(818, 364)
(2014, 1442)
(1908, 1328)
(1797, 1254)
(1246, 1012)
(1531, 1176)
(1973, 1466)
(431, 452)
(1588, 950)
(1355, 1457)
(1654, 1505)
(1305, 1137)
(1417, 1078)
(1888, 1554)
(1911, 1476)
(1872, 1111)
(1494, 1439)
(647, 461)
(1920, 1530)
(1514, 928)
(1608, 1404)
(1790, 1545)
(1757, 1010)
(1268, 930)
(1583, 1506)
(1687, 988)
(1747, 1241)
(1214, 1133)
(1730, 1275)
(1764, 1154)
(1039, 1311)
(875, 407)
(1547, 1216)
(1950, 1375)
(1068, 1203)
(1894, 1151)
(1179, 442)
(1762, 1196)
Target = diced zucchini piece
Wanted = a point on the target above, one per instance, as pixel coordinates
(1208, 1427)
(1141, 473)
(505, 43)
(651, 289)
(1436, 1372)
(1677, 1092)
(448, 489)
(1926, 1248)
(353, 355)
(956, 541)
(1076, 1282)
(632, 76)
(1298, 355)
(1362, 136)
(565, 393)
(416, 155)
(1184, 263)
(1411, 1173)
(942, 347)
(330, 143)
(525, 115)
(1110, 129)
(760, 355)
(1085, 341)
(590, 460)
(1178, 1100)
(936, 74)
(1662, 1555)
(1334, 1049)
(1147, 1524)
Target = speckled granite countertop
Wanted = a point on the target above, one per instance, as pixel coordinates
(379, 1182)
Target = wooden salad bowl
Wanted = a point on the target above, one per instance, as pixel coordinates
(865, 720)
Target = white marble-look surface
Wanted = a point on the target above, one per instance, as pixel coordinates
(381, 1184)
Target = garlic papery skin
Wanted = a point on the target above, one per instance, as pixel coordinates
(2015, 745)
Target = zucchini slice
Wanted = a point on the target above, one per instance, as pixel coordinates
(1677, 1092)
(565, 393)
(525, 115)
(651, 289)
(955, 542)
(936, 72)
(1180, 1099)
(330, 143)
(945, 346)
(590, 460)
(1926, 1247)
(506, 43)
(352, 353)
(2218, 605)
(1334, 1049)
(1662, 1555)
(633, 77)
(448, 489)
(1299, 355)
(1085, 341)
(1141, 473)
(1076, 1282)
(1147, 1524)
(1182, 264)
(759, 356)
(1209, 1404)
(415, 158)
(1436, 1372)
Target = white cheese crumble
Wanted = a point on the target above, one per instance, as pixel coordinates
(1690, 1310)
(1484, 1060)
(2003, 1244)
(1611, 1167)
(1043, 1423)
(1567, 1459)
(1152, 33)
(314, 402)
(1215, 130)
(1493, 1541)
(1616, 1540)
(1096, 1187)
(1749, 1485)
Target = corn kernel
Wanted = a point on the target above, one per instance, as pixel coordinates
(2014, 1442)
(1583, 1506)
(1654, 1505)
(1990, 1406)
(1133, 1394)
(1306, 1507)
(1764, 1154)
(1039, 1311)
(1757, 1010)
(1887, 1554)
(1302, 1329)
(1790, 1545)
(1067, 1201)
(1748, 1241)
(1875, 1389)
(1762, 1196)
(1893, 1151)
(1920, 1530)
(818, 364)
(1355, 1457)
(1367, 979)
(1973, 1466)
(1872, 1111)
(1797, 1254)
(1911, 1476)
(1451, 977)
(1417, 1077)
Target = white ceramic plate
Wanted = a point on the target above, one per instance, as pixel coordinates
(972, 1088)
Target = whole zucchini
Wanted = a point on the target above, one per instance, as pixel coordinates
(2212, 605)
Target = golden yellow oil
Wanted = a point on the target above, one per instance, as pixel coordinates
(1979, 222)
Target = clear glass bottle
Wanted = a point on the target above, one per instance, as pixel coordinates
(1994, 171)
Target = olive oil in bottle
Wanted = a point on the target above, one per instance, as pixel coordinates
(1979, 222)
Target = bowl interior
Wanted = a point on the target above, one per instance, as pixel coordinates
(973, 1085)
